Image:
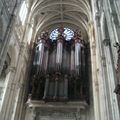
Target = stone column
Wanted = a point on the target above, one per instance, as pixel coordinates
(83, 62)
(96, 99)
(7, 93)
(102, 75)
(15, 82)
(111, 81)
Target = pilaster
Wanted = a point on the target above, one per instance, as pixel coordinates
(7, 93)
(101, 74)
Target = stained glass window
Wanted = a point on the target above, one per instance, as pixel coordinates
(68, 34)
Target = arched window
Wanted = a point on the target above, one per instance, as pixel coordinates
(23, 12)
(68, 34)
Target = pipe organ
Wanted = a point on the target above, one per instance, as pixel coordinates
(59, 68)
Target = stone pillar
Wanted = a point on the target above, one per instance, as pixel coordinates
(111, 72)
(15, 81)
(102, 73)
(7, 94)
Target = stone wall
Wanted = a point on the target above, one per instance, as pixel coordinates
(13, 44)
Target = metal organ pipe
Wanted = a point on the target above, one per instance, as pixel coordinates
(77, 57)
(59, 54)
(72, 60)
(41, 53)
(83, 60)
(36, 58)
(52, 60)
(46, 57)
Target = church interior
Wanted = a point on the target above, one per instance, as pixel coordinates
(59, 60)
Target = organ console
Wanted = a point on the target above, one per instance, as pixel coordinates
(59, 67)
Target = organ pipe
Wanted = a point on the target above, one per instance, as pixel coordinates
(83, 60)
(52, 60)
(41, 54)
(36, 58)
(46, 57)
(66, 61)
(72, 60)
(59, 54)
(77, 57)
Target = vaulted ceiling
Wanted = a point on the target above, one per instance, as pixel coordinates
(50, 14)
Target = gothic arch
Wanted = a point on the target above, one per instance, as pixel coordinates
(49, 14)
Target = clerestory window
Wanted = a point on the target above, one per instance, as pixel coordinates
(23, 12)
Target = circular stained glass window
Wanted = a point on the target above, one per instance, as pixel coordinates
(68, 34)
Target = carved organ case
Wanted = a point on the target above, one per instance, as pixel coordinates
(59, 68)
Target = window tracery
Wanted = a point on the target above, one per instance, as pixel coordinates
(68, 34)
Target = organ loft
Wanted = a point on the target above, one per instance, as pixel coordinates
(59, 70)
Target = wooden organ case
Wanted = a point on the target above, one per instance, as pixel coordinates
(60, 69)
